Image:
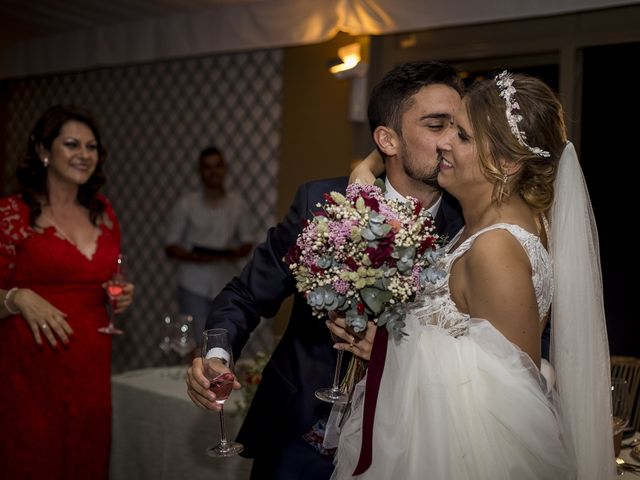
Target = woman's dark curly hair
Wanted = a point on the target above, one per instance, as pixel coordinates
(32, 174)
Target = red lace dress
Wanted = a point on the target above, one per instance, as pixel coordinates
(55, 404)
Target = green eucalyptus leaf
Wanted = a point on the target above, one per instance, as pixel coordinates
(380, 184)
(375, 299)
(368, 235)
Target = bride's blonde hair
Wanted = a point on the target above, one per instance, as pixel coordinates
(541, 120)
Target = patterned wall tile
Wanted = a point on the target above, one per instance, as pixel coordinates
(155, 118)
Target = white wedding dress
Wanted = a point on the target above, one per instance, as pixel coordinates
(458, 400)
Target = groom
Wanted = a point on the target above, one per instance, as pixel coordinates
(409, 110)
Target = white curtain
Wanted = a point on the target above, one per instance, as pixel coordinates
(251, 25)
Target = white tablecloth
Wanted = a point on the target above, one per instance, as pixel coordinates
(625, 454)
(159, 434)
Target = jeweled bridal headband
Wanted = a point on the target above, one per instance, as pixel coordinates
(504, 81)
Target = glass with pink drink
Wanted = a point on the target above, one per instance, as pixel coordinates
(115, 288)
(217, 361)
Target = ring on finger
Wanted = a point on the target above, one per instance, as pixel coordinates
(44, 326)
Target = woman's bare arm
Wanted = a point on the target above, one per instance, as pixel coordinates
(368, 169)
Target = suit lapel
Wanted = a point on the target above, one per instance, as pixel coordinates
(449, 217)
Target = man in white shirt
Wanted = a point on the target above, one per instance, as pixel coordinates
(208, 233)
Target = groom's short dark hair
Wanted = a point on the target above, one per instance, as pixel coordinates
(389, 98)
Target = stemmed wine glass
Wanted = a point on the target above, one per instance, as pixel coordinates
(166, 339)
(333, 394)
(217, 361)
(166, 335)
(115, 288)
(183, 341)
(621, 407)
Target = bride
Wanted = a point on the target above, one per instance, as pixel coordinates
(462, 396)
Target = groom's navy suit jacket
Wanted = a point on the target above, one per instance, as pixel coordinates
(285, 407)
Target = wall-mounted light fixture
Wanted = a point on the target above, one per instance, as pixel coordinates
(349, 58)
(349, 65)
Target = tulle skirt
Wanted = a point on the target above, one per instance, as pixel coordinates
(473, 407)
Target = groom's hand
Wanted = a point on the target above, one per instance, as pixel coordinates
(198, 387)
(359, 346)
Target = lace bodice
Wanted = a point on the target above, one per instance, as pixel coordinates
(30, 257)
(435, 306)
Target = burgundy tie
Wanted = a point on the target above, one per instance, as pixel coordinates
(374, 375)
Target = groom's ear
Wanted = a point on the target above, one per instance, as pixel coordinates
(387, 140)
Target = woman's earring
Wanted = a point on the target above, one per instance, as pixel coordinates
(501, 188)
(45, 162)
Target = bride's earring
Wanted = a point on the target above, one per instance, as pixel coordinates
(45, 162)
(501, 188)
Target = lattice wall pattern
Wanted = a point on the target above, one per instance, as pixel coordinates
(155, 119)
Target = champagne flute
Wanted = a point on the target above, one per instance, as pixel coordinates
(183, 341)
(166, 340)
(115, 288)
(217, 361)
(333, 394)
(166, 335)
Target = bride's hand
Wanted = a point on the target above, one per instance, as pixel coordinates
(368, 169)
(359, 346)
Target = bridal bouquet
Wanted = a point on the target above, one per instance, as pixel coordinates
(364, 257)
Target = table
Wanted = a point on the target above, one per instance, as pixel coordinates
(159, 434)
(625, 454)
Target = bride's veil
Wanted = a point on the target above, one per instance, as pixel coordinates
(579, 347)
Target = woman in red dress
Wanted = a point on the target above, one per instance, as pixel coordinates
(59, 241)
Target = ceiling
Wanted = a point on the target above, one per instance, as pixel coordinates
(25, 19)
(46, 36)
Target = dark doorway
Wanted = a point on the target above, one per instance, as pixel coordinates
(609, 151)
